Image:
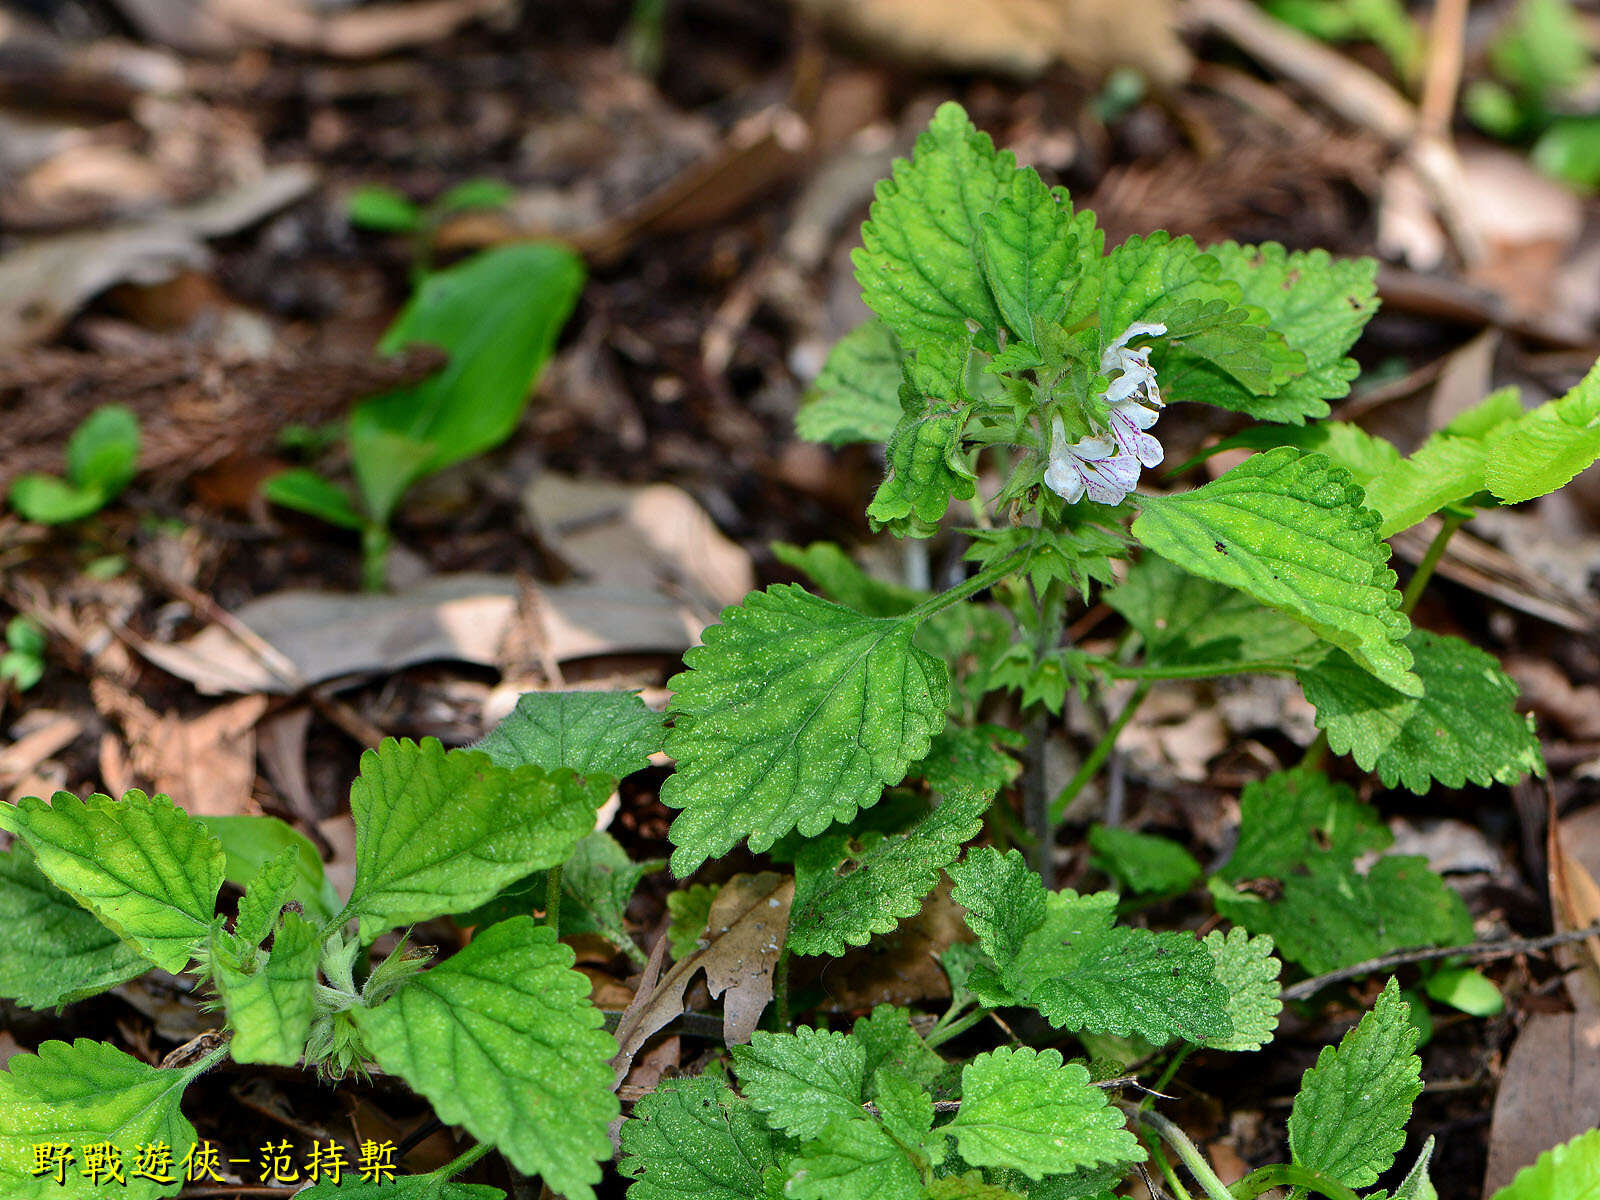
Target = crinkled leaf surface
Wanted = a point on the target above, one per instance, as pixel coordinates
(802, 1080)
(1290, 817)
(53, 950)
(1349, 1119)
(250, 843)
(269, 995)
(1248, 972)
(503, 1039)
(917, 266)
(856, 398)
(694, 1139)
(597, 882)
(1029, 253)
(1570, 1171)
(1061, 953)
(1023, 1109)
(593, 733)
(795, 713)
(1288, 529)
(265, 897)
(1464, 728)
(891, 1043)
(442, 831)
(846, 891)
(87, 1093)
(853, 1159)
(142, 865)
(926, 469)
(968, 758)
(1545, 449)
(1319, 304)
(1141, 862)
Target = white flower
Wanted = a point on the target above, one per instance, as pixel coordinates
(1106, 464)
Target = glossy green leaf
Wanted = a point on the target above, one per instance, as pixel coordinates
(853, 1159)
(803, 1080)
(1029, 254)
(794, 713)
(503, 1039)
(382, 209)
(1547, 448)
(694, 1139)
(1331, 574)
(1248, 972)
(142, 865)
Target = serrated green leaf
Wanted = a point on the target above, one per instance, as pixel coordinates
(1330, 574)
(592, 733)
(856, 398)
(142, 865)
(841, 580)
(52, 950)
(970, 1185)
(968, 758)
(853, 1159)
(265, 896)
(250, 843)
(1290, 817)
(1023, 1109)
(690, 908)
(906, 1110)
(1091, 1183)
(85, 1094)
(269, 996)
(1060, 953)
(1570, 1171)
(693, 1139)
(794, 713)
(1141, 862)
(597, 882)
(1350, 1117)
(1187, 620)
(890, 1042)
(1248, 972)
(803, 1080)
(887, 879)
(926, 469)
(1464, 728)
(916, 264)
(1319, 304)
(1029, 254)
(1545, 449)
(1331, 916)
(1366, 456)
(503, 1039)
(502, 825)
(1075, 555)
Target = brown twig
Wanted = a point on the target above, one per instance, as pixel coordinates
(1503, 948)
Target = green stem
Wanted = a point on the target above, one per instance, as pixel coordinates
(1430, 560)
(1101, 752)
(1152, 1146)
(552, 900)
(462, 1161)
(780, 990)
(1213, 1187)
(375, 557)
(1171, 1069)
(1264, 666)
(938, 1037)
(985, 578)
(1289, 1175)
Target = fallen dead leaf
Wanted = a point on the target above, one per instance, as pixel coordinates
(281, 743)
(745, 931)
(369, 31)
(463, 618)
(43, 283)
(50, 732)
(646, 537)
(903, 967)
(208, 763)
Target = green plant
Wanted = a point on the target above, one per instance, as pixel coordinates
(385, 210)
(845, 740)
(102, 457)
(1544, 67)
(498, 314)
(23, 662)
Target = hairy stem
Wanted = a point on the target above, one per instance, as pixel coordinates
(464, 1160)
(1287, 1174)
(1430, 560)
(1213, 1187)
(1102, 751)
(984, 579)
(552, 900)
(938, 1037)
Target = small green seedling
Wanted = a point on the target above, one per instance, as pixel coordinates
(384, 210)
(22, 664)
(498, 315)
(102, 457)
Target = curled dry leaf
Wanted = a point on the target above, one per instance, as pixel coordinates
(745, 932)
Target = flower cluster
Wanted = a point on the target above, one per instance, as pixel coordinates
(1106, 464)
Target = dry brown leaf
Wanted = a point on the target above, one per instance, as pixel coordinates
(208, 763)
(646, 537)
(369, 31)
(1574, 850)
(44, 283)
(1550, 1092)
(51, 732)
(1015, 37)
(461, 618)
(902, 967)
(746, 928)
